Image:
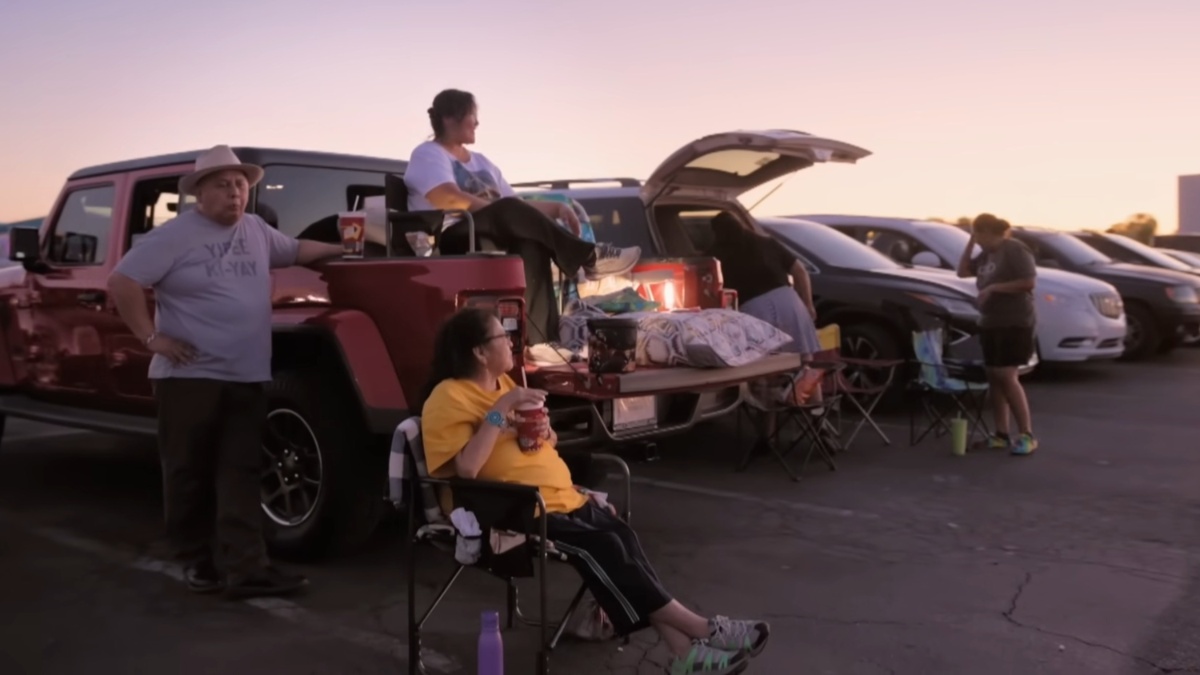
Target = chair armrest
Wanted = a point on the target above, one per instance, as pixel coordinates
(626, 476)
(507, 498)
(428, 222)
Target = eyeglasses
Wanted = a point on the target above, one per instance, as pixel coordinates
(502, 336)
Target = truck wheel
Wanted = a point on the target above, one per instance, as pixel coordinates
(1143, 336)
(870, 341)
(322, 486)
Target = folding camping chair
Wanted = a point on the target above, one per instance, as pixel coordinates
(852, 383)
(790, 398)
(512, 521)
(963, 384)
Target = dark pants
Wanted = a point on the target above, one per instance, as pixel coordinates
(1007, 346)
(607, 554)
(210, 443)
(520, 229)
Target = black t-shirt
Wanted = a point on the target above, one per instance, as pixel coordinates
(752, 264)
(1011, 261)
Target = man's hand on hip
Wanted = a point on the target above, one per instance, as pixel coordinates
(179, 352)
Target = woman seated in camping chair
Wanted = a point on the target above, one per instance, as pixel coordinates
(465, 425)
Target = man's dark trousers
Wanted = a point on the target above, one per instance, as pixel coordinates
(210, 435)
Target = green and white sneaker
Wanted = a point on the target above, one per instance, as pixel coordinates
(1025, 445)
(738, 634)
(705, 659)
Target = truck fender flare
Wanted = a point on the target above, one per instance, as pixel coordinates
(351, 337)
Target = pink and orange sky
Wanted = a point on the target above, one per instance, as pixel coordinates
(1068, 113)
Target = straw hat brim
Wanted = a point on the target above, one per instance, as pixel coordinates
(187, 184)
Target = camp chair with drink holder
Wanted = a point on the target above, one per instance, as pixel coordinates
(511, 543)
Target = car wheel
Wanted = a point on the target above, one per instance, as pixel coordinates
(1143, 336)
(319, 476)
(869, 341)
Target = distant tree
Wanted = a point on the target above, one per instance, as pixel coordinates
(1139, 226)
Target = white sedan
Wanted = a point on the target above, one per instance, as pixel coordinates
(1078, 318)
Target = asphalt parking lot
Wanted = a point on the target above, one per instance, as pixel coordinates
(1080, 560)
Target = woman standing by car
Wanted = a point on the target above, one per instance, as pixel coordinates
(757, 267)
(1005, 273)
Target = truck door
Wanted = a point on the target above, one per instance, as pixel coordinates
(69, 304)
(154, 200)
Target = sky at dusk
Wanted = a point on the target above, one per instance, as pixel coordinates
(1067, 113)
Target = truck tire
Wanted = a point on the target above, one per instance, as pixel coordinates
(323, 478)
(1143, 335)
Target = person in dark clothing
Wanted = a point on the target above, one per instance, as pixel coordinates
(1005, 273)
(757, 267)
(467, 433)
(443, 174)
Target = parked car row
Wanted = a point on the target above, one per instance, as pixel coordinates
(869, 273)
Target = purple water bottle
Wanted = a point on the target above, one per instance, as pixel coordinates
(491, 646)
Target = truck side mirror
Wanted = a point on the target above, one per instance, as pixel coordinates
(25, 246)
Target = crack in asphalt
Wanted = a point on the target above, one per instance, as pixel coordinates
(1014, 602)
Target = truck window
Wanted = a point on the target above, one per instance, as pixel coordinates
(155, 201)
(620, 221)
(80, 234)
(299, 196)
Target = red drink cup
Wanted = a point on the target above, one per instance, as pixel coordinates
(530, 421)
(353, 228)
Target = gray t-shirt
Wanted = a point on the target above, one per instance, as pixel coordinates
(1011, 261)
(212, 288)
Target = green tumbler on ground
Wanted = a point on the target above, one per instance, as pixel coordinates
(958, 435)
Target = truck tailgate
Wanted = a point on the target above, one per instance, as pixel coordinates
(575, 380)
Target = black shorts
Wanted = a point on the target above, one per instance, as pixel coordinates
(1006, 347)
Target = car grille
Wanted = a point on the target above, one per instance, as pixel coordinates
(1108, 305)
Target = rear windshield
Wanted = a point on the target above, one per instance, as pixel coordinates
(620, 221)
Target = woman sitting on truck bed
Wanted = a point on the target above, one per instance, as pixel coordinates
(466, 433)
(443, 174)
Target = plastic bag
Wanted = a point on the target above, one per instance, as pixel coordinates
(589, 622)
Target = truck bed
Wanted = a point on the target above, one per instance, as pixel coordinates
(575, 380)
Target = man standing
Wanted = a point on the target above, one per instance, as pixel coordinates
(211, 338)
(1005, 274)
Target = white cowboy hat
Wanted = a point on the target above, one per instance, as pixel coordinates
(218, 158)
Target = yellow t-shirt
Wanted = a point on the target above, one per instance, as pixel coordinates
(453, 414)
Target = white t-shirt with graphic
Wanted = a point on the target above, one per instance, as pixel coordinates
(432, 165)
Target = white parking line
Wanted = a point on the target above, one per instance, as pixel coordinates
(751, 499)
(277, 607)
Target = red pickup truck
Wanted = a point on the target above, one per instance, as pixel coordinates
(352, 339)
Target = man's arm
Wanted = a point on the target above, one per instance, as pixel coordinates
(312, 251)
(130, 299)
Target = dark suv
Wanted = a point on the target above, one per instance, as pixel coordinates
(1162, 307)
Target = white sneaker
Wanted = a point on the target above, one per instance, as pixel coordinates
(611, 260)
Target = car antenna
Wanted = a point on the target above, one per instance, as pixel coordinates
(769, 193)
